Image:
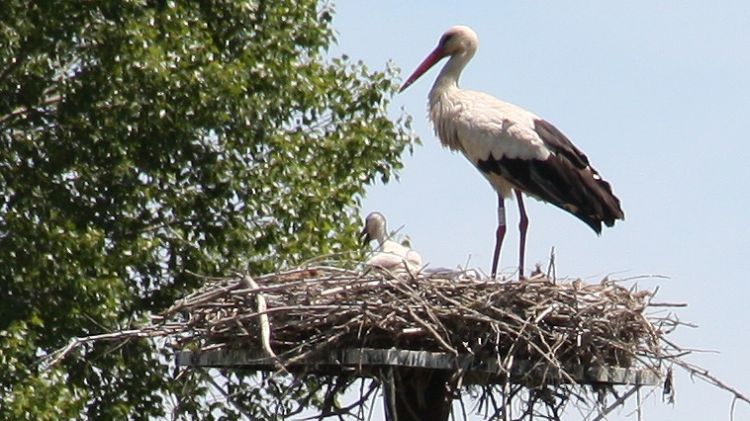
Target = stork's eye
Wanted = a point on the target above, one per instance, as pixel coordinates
(445, 38)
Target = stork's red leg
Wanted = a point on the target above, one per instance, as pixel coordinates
(500, 234)
(523, 225)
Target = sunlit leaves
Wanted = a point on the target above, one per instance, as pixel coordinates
(144, 140)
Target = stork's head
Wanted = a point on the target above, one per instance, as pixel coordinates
(459, 41)
(374, 228)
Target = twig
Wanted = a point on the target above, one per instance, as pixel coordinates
(604, 412)
(703, 374)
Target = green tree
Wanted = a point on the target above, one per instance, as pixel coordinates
(144, 140)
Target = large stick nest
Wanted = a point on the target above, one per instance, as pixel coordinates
(314, 310)
(308, 312)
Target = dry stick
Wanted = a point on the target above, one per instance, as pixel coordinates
(615, 404)
(495, 405)
(321, 344)
(551, 359)
(265, 326)
(226, 395)
(350, 288)
(429, 312)
(374, 396)
(197, 300)
(667, 305)
(281, 274)
(463, 408)
(638, 404)
(432, 331)
(551, 269)
(346, 410)
(272, 288)
(55, 357)
(702, 373)
(508, 366)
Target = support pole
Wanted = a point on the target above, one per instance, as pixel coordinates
(414, 394)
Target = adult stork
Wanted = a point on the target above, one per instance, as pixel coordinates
(390, 255)
(516, 151)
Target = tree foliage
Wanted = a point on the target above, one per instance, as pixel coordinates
(141, 141)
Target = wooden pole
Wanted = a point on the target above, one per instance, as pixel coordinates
(416, 394)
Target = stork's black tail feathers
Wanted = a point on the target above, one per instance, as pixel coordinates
(600, 205)
(564, 179)
(579, 191)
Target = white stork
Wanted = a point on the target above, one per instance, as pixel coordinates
(390, 255)
(514, 149)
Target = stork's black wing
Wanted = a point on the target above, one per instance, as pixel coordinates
(565, 179)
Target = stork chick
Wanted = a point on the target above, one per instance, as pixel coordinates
(389, 255)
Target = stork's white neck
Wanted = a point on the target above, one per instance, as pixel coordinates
(380, 236)
(450, 73)
(375, 226)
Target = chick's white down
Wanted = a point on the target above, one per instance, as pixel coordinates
(389, 254)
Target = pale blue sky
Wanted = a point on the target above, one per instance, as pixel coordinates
(656, 93)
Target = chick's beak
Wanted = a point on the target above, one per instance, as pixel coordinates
(365, 236)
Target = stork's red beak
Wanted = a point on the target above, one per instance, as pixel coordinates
(436, 55)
